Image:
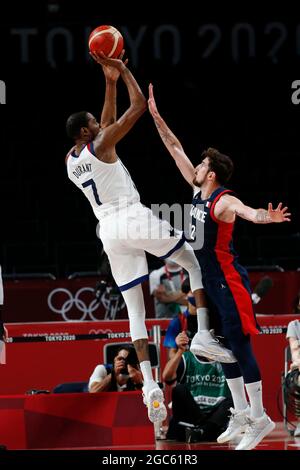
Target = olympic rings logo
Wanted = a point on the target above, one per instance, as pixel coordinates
(74, 301)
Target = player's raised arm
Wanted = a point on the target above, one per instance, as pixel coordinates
(113, 133)
(109, 110)
(229, 206)
(170, 140)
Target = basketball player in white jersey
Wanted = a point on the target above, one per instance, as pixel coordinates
(127, 228)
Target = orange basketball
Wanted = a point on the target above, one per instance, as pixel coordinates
(106, 39)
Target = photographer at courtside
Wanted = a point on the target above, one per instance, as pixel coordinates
(123, 375)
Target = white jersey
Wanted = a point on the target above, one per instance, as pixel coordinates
(108, 186)
(293, 330)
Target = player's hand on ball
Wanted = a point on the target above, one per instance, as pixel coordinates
(101, 59)
(111, 73)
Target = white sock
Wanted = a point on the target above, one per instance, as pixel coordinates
(146, 371)
(202, 319)
(254, 391)
(237, 388)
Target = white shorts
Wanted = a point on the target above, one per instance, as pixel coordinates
(127, 234)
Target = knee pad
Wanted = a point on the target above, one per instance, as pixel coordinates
(186, 258)
(134, 301)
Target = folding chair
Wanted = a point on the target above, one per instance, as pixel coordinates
(287, 361)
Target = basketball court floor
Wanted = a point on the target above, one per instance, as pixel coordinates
(279, 439)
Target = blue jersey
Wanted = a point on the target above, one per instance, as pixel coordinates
(225, 281)
(217, 251)
(176, 326)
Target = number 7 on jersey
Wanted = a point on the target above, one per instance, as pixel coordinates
(92, 183)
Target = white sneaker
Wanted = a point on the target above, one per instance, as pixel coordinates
(154, 400)
(297, 430)
(238, 423)
(257, 429)
(207, 345)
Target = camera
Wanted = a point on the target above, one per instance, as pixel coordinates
(106, 291)
(131, 360)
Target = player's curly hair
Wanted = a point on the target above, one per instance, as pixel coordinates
(219, 163)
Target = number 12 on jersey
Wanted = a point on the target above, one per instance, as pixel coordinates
(92, 183)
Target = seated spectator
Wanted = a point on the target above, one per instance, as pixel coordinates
(124, 375)
(293, 336)
(165, 286)
(201, 400)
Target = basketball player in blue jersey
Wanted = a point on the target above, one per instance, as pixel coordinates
(127, 228)
(225, 281)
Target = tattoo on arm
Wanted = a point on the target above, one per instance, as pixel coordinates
(166, 135)
(262, 217)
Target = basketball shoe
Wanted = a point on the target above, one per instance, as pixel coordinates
(297, 431)
(154, 400)
(256, 430)
(237, 424)
(206, 344)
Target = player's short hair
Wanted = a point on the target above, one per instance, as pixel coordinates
(75, 122)
(220, 164)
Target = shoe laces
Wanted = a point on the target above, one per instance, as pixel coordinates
(251, 425)
(236, 414)
(214, 337)
(217, 338)
(233, 414)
